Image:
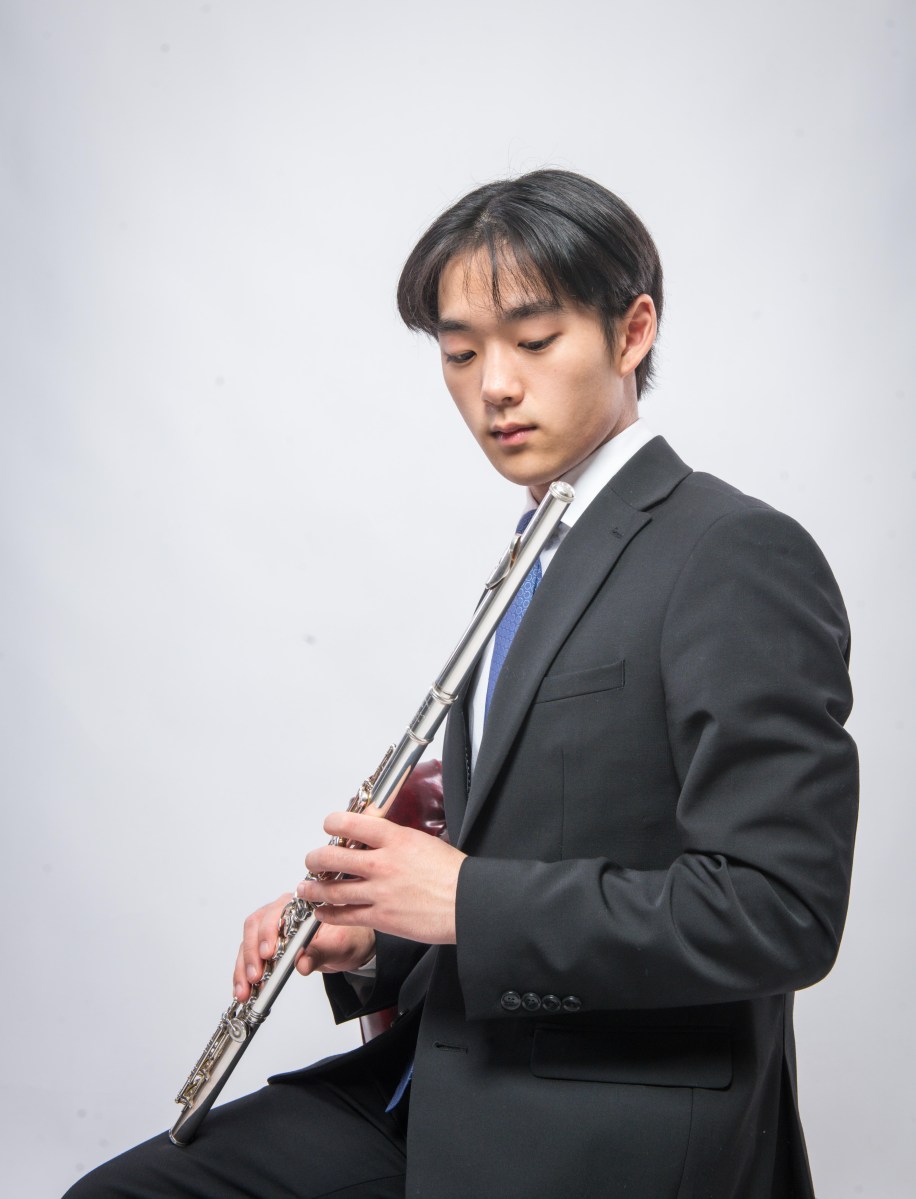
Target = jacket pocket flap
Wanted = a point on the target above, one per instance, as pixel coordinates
(655, 1057)
(582, 682)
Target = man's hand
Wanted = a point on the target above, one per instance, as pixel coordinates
(331, 949)
(404, 882)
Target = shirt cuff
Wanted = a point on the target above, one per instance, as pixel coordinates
(367, 970)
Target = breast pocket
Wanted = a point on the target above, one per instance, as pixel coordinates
(582, 682)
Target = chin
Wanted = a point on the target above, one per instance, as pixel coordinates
(522, 473)
(537, 485)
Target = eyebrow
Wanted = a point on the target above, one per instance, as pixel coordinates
(519, 312)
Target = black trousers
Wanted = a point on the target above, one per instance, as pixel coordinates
(295, 1139)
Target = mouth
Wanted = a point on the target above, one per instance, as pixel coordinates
(511, 434)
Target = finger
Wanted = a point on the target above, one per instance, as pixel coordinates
(269, 931)
(344, 891)
(240, 986)
(338, 859)
(326, 946)
(356, 826)
(335, 949)
(259, 942)
(251, 959)
(314, 955)
(345, 915)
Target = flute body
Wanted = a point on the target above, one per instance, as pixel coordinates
(299, 921)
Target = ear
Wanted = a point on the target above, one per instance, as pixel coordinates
(636, 331)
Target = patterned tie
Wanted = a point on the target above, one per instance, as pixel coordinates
(508, 626)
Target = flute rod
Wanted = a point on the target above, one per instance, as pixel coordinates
(298, 921)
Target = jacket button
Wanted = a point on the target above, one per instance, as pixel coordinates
(511, 1001)
(551, 1003)
(530, 1001)
(572, 1003)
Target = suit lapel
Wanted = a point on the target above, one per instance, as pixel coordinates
(586, 556)
(456, 764)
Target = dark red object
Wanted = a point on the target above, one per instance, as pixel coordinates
(419, 803)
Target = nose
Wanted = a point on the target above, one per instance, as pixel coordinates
(500, 384)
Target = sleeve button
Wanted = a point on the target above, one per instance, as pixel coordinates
(530, 1001)
(572, 1003)
(551, 1003)
(510, 1001)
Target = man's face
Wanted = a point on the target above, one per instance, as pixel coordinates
(536, 384)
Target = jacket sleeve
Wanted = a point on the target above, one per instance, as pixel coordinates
(395, 958)
(753, 661)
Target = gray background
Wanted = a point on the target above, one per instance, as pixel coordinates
(242, 526)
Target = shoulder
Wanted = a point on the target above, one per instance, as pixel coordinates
(742, 562)
(699, 535)
(713, 517)
(709, 499)
(690, 504)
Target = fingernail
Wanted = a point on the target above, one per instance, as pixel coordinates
(264, 949)
(300, 890)
(238, 990)
(252, 973)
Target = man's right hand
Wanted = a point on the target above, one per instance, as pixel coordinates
(333, 948)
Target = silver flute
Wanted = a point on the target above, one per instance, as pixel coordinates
(299, 921)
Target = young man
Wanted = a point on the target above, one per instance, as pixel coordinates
(650, 798)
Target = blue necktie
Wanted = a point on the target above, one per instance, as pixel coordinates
(512, 618)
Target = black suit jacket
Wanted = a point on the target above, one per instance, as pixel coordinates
(660, 826)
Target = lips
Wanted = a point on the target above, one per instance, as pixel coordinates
(510, 434)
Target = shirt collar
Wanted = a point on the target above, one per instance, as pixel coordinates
(593, 474)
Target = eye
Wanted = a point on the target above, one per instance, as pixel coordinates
(541, 344)
(459, 359)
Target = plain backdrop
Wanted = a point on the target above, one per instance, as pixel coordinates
(242, 526)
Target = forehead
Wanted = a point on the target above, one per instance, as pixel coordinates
(496, 287)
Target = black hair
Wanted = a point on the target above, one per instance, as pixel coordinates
(554, 230)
